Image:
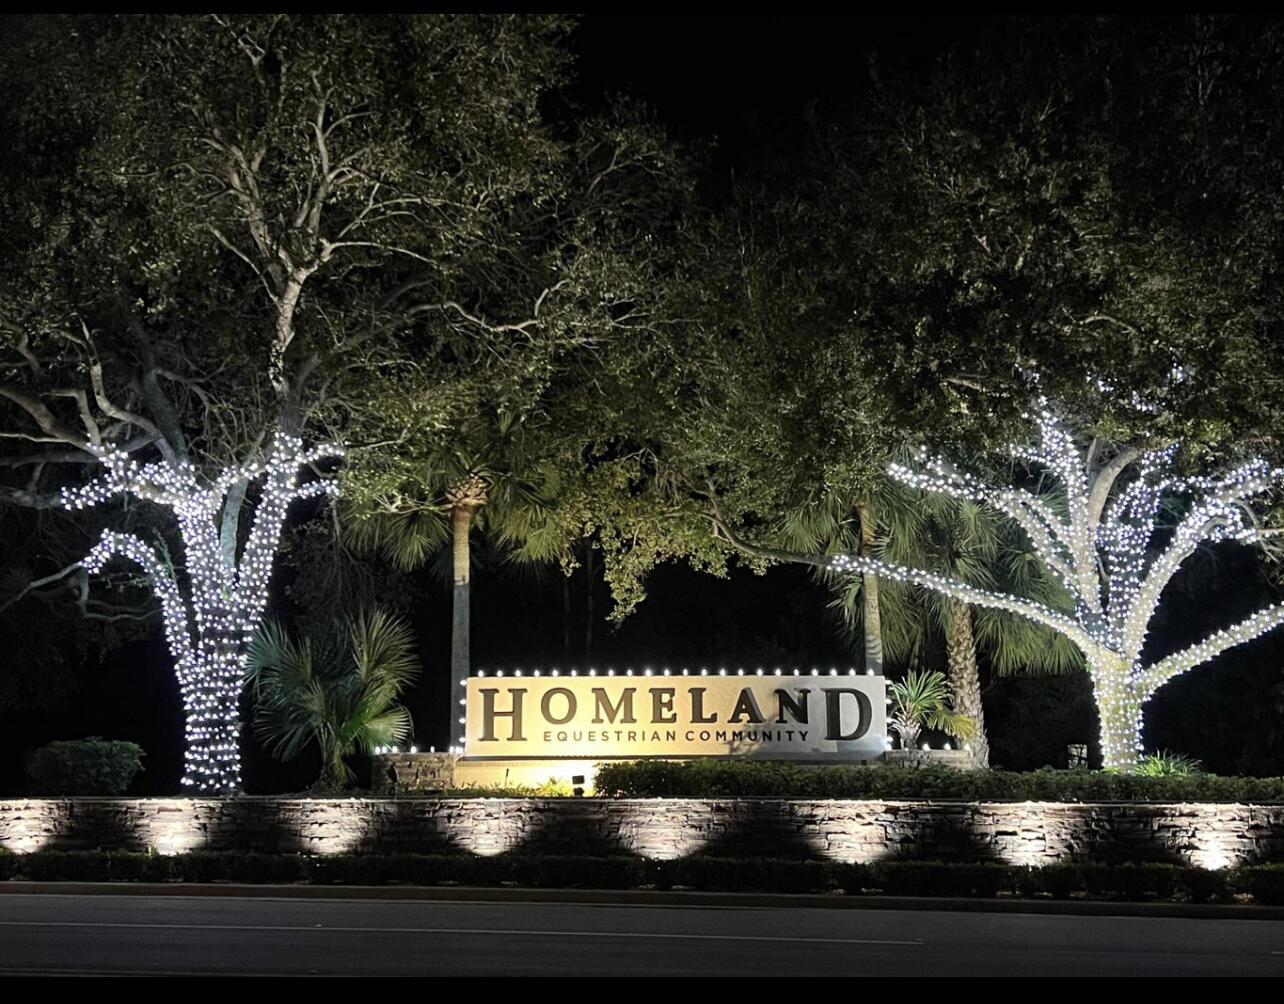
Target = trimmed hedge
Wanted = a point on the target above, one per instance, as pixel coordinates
(764, 778)
(93, 766)
(1139, 882)
(534, 871)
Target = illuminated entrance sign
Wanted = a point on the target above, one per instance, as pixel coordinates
(801, 717)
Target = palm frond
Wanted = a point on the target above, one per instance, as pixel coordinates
(386, 729)
(336, 690)
(404, 538)
(922, 700)
(383, 649)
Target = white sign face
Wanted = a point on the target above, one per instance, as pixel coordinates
(770, 717)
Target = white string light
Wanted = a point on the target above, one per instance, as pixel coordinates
(1106, 562)
(208, 631)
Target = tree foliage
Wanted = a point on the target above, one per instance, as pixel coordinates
(1077, 208)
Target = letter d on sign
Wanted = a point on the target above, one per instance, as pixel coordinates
(834, 714)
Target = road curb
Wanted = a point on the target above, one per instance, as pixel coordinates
(649, 897)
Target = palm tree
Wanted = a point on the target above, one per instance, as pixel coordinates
(959, 540)
(965, 542)
(835, 522)
(487, 477)
(338, 689)
(922, 700)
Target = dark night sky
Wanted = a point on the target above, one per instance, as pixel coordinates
(744, 82)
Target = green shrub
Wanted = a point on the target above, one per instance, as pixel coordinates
(552, 788)
(97, 866)
(238, 866)
(1166, 763)
(1202, 885)
(576, 871)
(749, 874)
(932, 878)
(757, 778)
(1055, 881)
(1265, 883)
(348, 869)
(93, 766)
(1148, 881)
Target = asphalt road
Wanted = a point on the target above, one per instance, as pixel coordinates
(226, 935)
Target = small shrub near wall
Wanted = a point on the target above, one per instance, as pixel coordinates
(92, 766)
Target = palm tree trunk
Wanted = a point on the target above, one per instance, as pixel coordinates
(869, 594)
(965, 678)
(461, 521)
(334, 776)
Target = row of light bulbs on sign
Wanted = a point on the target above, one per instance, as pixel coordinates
(648, 671)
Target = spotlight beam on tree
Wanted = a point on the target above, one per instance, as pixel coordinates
(210, 618)
(1107, 548)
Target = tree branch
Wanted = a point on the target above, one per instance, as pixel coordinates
(230, 520)
(30, 499)
(970, 383)
(23, 348)
(128, 546)
(39, 412)
(149, 388)
(37, 583)
(86, 416)
(1106, 318)
(1105, 480)
(1153, 677)
(1036, 612)
(723, 532)
(72, 455)
(106, 405)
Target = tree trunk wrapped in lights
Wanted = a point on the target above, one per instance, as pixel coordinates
(1100, 548)
(212, 610)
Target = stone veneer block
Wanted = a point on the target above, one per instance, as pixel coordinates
(393, 773)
